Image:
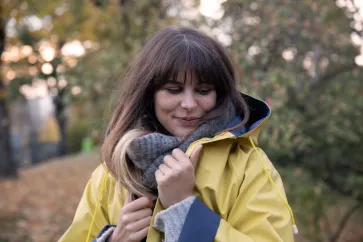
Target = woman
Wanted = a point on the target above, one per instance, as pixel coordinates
(184, 136)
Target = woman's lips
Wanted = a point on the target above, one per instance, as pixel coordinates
(188, 121)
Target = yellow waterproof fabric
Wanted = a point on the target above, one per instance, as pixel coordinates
(229, 180)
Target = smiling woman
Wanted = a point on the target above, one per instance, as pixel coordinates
(181, 105)
(180, 161)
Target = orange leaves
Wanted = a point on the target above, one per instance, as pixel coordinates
(40, 204)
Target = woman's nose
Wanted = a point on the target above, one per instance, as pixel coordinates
(188, 102)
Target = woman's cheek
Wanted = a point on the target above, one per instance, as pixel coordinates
(209, 103)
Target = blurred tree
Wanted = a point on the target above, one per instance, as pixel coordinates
(125, 26)
(7, 164)
(299, 57)
(107, 35)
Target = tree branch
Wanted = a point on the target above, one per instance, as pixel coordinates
(318, 86)
(324, 79)
(333, 184)
(344, 220)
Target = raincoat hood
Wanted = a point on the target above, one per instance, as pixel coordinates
(260, 112)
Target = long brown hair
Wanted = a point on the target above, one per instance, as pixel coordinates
(162, 57)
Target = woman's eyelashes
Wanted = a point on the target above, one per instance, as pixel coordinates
(201, 91)
(204, 91)
(174, 90)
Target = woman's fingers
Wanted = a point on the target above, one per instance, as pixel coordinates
(183, 160)
(171, 162)
(143, 202)
(138, 215)
(140, 235)
(159, 176)
(141, 224)
(179, 155)
(134, 220)
(141, 214)
(165, 169)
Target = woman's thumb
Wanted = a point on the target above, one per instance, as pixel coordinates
(195, 155)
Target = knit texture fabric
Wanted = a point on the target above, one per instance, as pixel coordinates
(148, 152)
(171, 220)
(105, 235)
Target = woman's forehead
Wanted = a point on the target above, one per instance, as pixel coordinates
(187, 76)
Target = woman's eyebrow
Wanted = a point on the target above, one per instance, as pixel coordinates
(171, 81)
(205, 84)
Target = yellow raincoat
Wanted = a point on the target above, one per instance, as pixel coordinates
(232, 181)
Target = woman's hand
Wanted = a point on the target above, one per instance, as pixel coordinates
(134, 221)
(176, 176)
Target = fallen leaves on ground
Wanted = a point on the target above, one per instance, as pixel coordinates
(40, 204)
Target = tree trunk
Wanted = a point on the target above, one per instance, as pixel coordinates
(8, 168)
(60, 106)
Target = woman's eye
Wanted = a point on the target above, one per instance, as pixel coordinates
(173, 90)
(204, 91)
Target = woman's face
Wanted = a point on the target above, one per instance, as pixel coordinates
(180, 105)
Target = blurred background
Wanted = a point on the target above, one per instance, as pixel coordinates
(62, 62)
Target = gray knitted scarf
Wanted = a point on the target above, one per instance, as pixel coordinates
(147, 152)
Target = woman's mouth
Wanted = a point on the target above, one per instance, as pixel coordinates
(188, 121)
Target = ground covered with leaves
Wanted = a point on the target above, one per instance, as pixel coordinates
(40, 204)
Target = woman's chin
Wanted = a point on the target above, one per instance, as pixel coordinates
(184, 132)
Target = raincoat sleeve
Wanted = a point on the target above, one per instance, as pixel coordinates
(80, 226)
(258, 213)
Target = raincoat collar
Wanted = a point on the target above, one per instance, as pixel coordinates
(259, 115)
